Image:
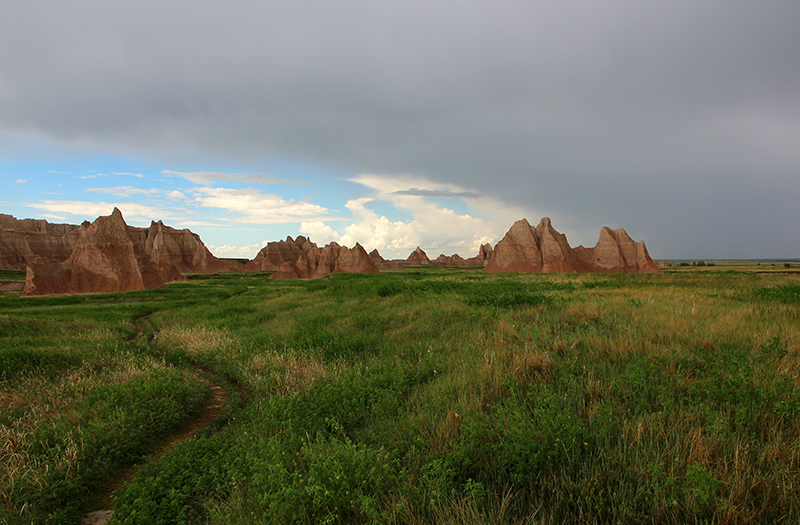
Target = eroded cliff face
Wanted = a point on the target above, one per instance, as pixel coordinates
(24, 240)
(456, 261)
(543, 249)
(169, 248)
(382, 263)
(274, 254)
(330, 259)
(417, 258)
(110, 256)
(105, 259)
(616, 252)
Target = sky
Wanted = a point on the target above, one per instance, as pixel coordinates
(409, 123)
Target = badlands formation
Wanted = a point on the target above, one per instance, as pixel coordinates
(110, 256)
(107, 256)
(22, 241)
(330, 259)
(543, 249)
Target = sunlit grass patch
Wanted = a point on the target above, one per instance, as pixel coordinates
(195, 339)
(289, 373)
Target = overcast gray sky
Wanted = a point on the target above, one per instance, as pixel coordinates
(677, 120)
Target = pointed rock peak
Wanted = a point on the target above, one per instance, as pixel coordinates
(622, 235)
(607, 233)
(522, 226)
(546, 227)
(289, 239)
(522, 223)
(106, 223)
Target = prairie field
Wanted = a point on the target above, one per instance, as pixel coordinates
(417, 396)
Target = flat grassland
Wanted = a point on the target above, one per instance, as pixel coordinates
(415, 396)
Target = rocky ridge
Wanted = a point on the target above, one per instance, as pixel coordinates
(23, 240)
(105, 259)
(274, 254)
(330, 259)
(543, 249)
(455, 260)
(382, 263)
(417, 258)
(108, 255)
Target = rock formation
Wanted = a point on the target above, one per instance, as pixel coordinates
(105, 259)
(274, 254)
(418, 258)
(485, 254)
(174, 250)
(543, 249)
(24, 240)
(330, 259)
(616, 252)
(455, 260)
(382, 263)
(449, 260)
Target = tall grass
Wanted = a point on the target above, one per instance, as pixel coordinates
(450, 396)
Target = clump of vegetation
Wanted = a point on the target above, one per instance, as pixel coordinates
(419, 396)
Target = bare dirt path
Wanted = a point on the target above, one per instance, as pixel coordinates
(214, 407)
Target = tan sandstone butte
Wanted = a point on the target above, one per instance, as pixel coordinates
(616, 252)
(543, 249)
(275, 253)
(417, 258)
(180, 249)
(382, 263)
(456, 261)
(333, 258)
(104, 260)
(24, 240)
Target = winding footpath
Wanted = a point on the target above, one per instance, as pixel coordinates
(214, 407)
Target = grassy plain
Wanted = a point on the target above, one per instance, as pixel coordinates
(416, 396)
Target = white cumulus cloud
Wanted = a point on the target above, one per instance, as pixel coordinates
(434, 227)
(235, 252)
(131, 211)
(257, 207)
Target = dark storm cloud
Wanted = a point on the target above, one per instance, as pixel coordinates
(677, 120)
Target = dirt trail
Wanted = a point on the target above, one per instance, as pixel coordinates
(214, 407)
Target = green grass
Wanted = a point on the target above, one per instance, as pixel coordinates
(418, 396)
(12, 276)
